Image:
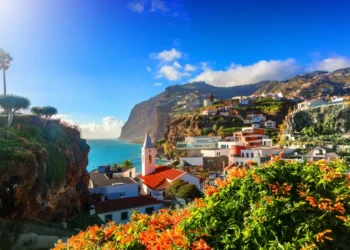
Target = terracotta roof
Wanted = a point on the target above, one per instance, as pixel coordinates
(125, 203)
(160, 174)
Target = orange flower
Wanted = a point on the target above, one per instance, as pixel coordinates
(200, 245)
(199, 203)
(221, 183)
(268, 200)
(312, 201)
(341, 218)
(257, 179)
(320, 237)
(210, 190)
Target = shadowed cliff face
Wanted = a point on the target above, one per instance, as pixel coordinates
(42, 170)
(155, 114)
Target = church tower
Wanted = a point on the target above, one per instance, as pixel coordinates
(148, 157)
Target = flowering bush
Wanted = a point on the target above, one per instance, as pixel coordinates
(280, 205)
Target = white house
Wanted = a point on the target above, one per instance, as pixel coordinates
(311, 104)
(156, 179)
(199, 142)
(319, 153)
(257, 155)
(270, 124)
(214, 152)
(120, 210)
(228, 144)
(210, 111)
(112, 187)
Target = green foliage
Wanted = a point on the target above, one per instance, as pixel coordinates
(215, 127)
(230, 131)
(13, 103)
(128, 164)
(5, 59)
(44, 112)
(279, 206)
(56, 167)
(183, 190)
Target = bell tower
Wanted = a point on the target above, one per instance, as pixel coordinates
(148, 157)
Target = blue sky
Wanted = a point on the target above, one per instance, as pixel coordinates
(95, 59)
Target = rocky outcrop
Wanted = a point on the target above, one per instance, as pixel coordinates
(338, 115)
(154, 115)
(43, 172)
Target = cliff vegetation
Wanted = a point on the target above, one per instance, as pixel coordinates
(42, 169)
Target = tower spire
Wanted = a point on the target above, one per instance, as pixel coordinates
(148, 142)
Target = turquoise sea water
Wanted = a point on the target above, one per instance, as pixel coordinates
(104, 152)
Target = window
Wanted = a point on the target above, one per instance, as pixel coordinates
(252, 155)
(149, 210)
(247, 154)
(124, 215)
(108, 217)
(130, 174)
(237, 163)
(150, 159)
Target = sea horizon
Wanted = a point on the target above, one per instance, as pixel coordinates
(109, 151)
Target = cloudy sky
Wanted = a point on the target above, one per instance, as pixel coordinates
(94, 60)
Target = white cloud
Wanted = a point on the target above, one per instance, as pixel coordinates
(108, 128)
(239, 75)
(64, 118)
(158, 5)
(148, 69)
(167, 55)
(330, 64)
(177, 65)
(170, 73)
(137, 6)
(189, 67)
(158, 84)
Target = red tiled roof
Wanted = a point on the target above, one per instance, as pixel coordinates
(125, 203)
(160, 174)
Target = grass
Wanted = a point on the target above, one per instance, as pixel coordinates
(28, 140)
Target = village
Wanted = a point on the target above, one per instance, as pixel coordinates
(117, 192)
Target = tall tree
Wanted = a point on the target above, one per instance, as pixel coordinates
(11, 104)
(45, 112)
(5, 60)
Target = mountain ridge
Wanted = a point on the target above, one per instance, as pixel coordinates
(155, 114)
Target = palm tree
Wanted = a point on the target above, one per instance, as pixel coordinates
(128, 164)
(5, 60)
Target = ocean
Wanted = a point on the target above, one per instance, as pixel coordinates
(105, 152)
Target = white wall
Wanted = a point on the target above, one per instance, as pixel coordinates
(194, 161)
(191, 179)
(114, 192)
(116, 215)
(214, 152)
(130, 173)
(228, 144)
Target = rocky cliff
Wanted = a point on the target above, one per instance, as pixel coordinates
(338, 117)
(42, 170)
(155, 114)
(311, 85)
